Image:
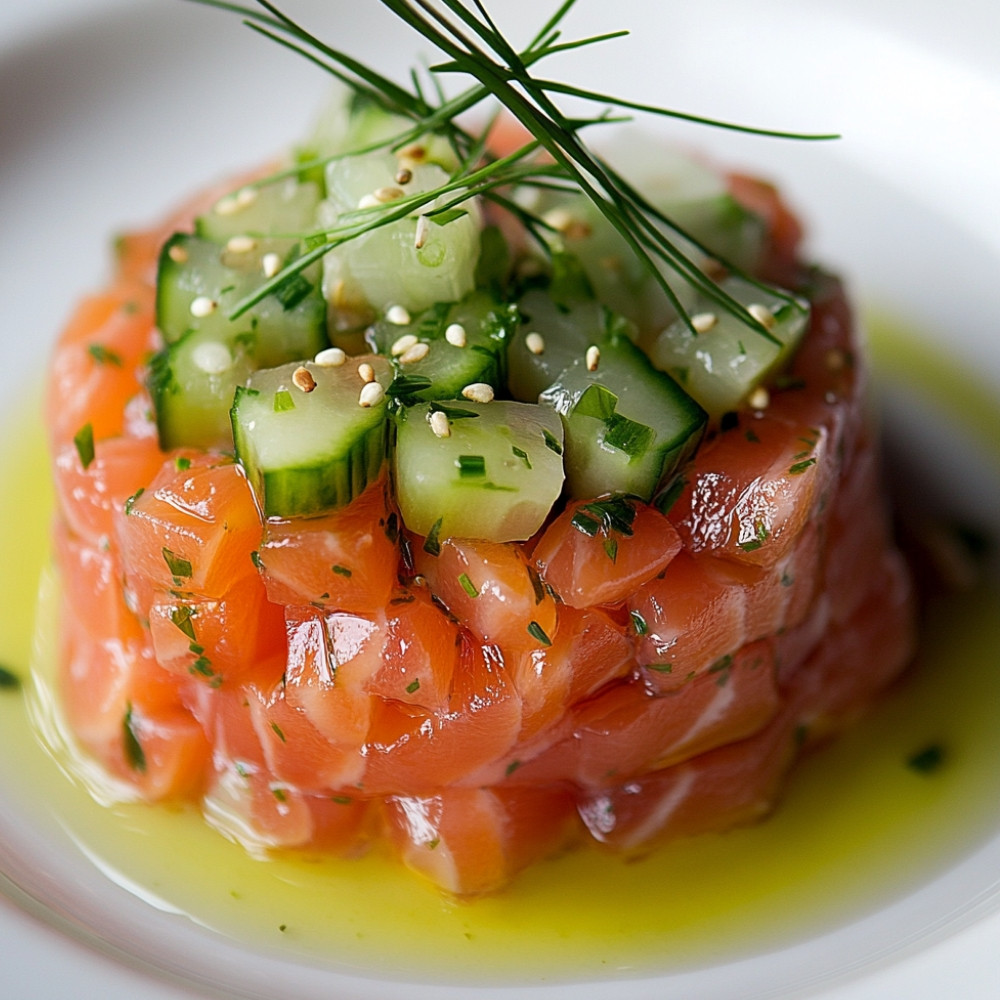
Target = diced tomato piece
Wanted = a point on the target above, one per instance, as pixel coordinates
(589, 558)
(195, 528)
(491, 588)
(344, 561)
(470, 841)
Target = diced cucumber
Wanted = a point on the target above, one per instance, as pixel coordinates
(628, 426)
(722, 365)
(199, 283)
(308, 451)
(465, 343)
(477, 470)
(192, 383)
(551, 337)
(412, 262)
(285, 208)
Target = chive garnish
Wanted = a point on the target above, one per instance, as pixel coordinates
(341, 570)
(537, 632)
(521, 454)
(552, 442)
(84, 441)
(638, 623)
(799, 467)
(278, 731)
(471, 466)
(467, 585)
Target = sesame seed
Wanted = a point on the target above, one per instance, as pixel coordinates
(762, 314)
(203, 306)
(212, 357)
(302, 379)
(455, 335)
(178, 254)
(478, 392)
(386, 194)
(593, 357)
(271, 264)
(703, 322)
(365, 372)
(398, 316)
(245, 196)
(413, 152)
(535, 343)
(241, 244)
(420, 237)
(227, 205)
(439, 424)
(371, 394)
(558, 219)
(415, 353)
(759, 398)
(403, 176)
(369, 201)
(402, 344)
(835, 359)
(331, 357)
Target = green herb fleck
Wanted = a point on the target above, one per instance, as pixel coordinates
(341, 800)
(611, 548)
(342, 570)
(552, 442)
(179, 568)
(471, 466)
(414, 686)
(928, 759)
(84, 441)
(521, 454)
(278, 732)
(431, 544)
(182, 463)
(799, 467)
(537, 632)
(283, 401)
(134, 753)
(512, 767)
(638, 623)
(9, 681)
(130, 503)
(661, 668)
(181, 617)
(467, 585)
(103, 356)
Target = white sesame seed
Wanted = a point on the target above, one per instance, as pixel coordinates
(403, 176)
(535, 343)
(241, 244)
(759, 398)
(703, 322)
(365, 372)
(212, 357)
(178, 254)
(593, 357)
(227, 205)
(302, 379)
(415, 353)
(455, 334)
(271, 264)
(203, 306)
(762, 314)
(331, 357)
(368, 201)
(398, 316)
(420, 238)
(439, 423)
(371, 394)
(386, 194)
(478, 392)
(402, 344)
(246, 196)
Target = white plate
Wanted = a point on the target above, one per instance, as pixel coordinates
(112, 111)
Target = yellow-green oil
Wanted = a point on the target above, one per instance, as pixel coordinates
(857, 827)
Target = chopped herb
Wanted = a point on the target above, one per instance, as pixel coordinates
(467, 585)
(629, 436)
(660, 668)
(202, 666)
(800, 467)
(446, 216)
(638, 623)
(278, 732)
(453, 412)
(521, 454)
(512, 767)
(927, 760)
(282, 927)
(256, 560)
(431, 544)
(130, 503)
(182, 463)
(537, 632)
(283, 401)
(787, 579)
(179, 567)
(757, 541)
(585, 523)
(405, 388)
(552, 442)
(536, 584)
(292, 291)
(104, 356)
(470, 466)
(341, 800)
(342, 570)
(282, 796)
(722, 663)
(9, 681)
(134, 753)
(414, 686)
(181, 617)
(751, 436)
(611, 548)
(84, 441)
